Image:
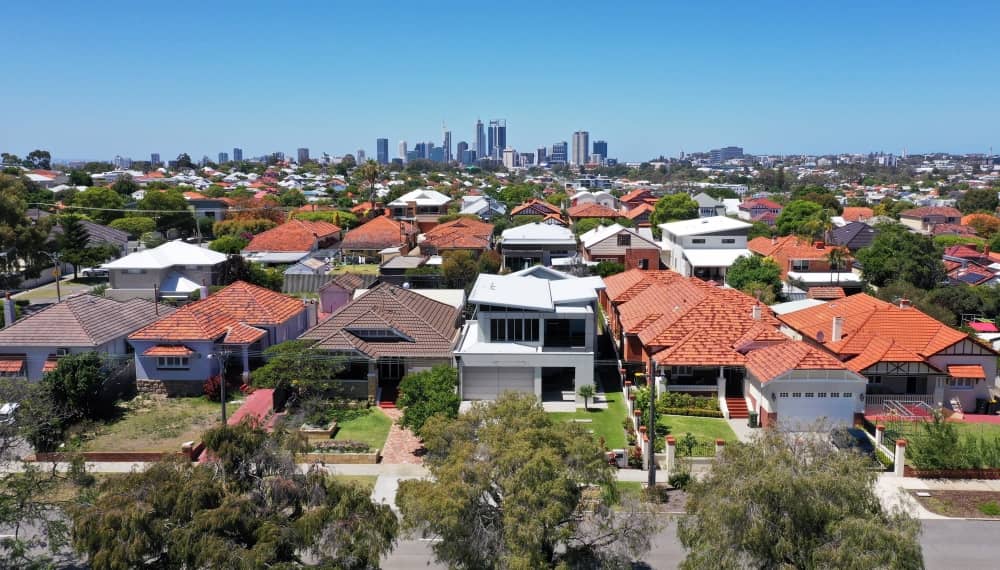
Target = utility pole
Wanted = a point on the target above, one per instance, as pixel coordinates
(56, 272)
(222, 356)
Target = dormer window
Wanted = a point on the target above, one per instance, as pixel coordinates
(379, 335)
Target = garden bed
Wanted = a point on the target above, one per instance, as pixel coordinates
(965, 504)
(909, 471)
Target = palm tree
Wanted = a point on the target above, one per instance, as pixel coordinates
(370, 172)
(837, 258)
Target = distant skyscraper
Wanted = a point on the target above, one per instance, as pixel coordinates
(302, 155)
(559, 153)
(237, 154)
(468, 156)
(402, 150)
(542, 155)
(223, 157)
(498, 138)
(428, 149)
(581, 147)
(721, 155)
(460, 148)
(527, 158)
(509, 158)
(479, 143)
(278, 156)
(447, 146)
(382, 150)
(154, 159)
(359, 157)
(601, 148)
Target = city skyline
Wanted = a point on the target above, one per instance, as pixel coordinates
(859, 78)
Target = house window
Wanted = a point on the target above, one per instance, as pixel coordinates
(62, 351)
(800, 265)
(962, 383)
(135, 271)
(796, 394)
(729, 240)
(698, 240)
(624, 240)
(172, 362)
(643, 264)
(683, 371)
(874, 379)
(513, 330)
(782, 394)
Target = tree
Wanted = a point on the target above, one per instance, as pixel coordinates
(184, 161)
(124, 185)
(21, 241)
(169, 209)
(74, 244)
(978, 200)
(507, 490)
(586, 224)
(986, 225)
(760, 229)
(426, 394)
(489, 262)
(99, 202)
(673, 207)
(242, 227)
(38, 159)
(134, 226)
(801, 217)
(897, 254)
(228, 244)
(586, 392)
(80, 178)
(314, 370)
(808, 505)
(370, 172)
(749, 273)
(249, 507)
(292, 198)
(459, 268)
(77, 386)
(609, 268)
(235, 268)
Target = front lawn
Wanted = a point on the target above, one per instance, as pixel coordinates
(366, 482)
(369, 425)
(604, 423)
(705, 431)
(152, 424)
(363, 269)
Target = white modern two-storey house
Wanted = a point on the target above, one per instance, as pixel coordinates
(704, 247)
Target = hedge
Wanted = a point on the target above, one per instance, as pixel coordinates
(697, 412)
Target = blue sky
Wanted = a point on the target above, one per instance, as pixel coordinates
(91, 80)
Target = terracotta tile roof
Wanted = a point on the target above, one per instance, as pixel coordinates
(592, 210)
(293, 235)
(971, 274)
(461, 233)
(82, 321)
(966, 371)
(639, 210)
(622, 287)
(554, 217)
(766, 246)
(759, 203)
(214, 317)
(243, 334)
(826, 293)
(11, 364)
(792, 248)
(430, 328)
(857, 213)
(378, 233)
(952, 229)
(535, 207)
(636, 195)
(768, 363)
(963, 251)
(168, 350)
(362, 208)
(351, 281)
(931, 211)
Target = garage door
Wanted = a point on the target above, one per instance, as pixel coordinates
(486, 383)
(800, 409)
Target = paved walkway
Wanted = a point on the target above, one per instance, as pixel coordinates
(402, 445)
(742, 430)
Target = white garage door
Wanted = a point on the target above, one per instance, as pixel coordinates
(800, 409)
(486, 383)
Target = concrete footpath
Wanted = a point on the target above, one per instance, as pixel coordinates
(896, 492)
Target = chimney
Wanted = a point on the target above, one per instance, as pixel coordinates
(774, 240)
(904, 303)
(820, 244)
(755, 312)
(8, 310)
(838, 329)
(986, 250)
(203, 290)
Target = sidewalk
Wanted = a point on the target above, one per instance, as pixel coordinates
(895, 492)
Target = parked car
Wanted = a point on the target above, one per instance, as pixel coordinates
(7, 411)
(94, 273)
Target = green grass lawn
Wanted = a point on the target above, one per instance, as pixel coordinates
(705, 430)
(370, 426)
(604, 423)
(153, 424)
(366, 269)
(366, 482)
(913, 429)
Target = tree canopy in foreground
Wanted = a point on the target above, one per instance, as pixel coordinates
(793, 501)
(511, 488)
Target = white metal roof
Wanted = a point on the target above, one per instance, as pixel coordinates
(168, 255)
(825, 278)
(600, 233)
(792, 306)
(539, 233)
(707, 225)
(533, 293)
(423, 197)
(714, 257)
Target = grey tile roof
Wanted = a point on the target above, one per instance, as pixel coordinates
(97, 234)
(82, 320)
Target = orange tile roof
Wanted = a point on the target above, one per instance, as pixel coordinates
(556, 217)
(378, 233)
(623, 286)
(857, 213)
(168, 350)
(592, 210)
(925, 211)
(534, 206)
(826, 293)
(786, 249)
(243, 334)
(639, 210)
(461, 233)
(293, 235)
(768, 363)
(362, 208)
(211, 318)
(966, 371)
(637, 194)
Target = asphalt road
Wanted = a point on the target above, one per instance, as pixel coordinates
(947, 545)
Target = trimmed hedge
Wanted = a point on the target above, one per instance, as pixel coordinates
(697, 412)
(341, 446)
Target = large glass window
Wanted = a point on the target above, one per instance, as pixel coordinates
(565, 332)
(513, 330)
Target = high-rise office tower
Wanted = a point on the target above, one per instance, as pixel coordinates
(428, 149)
(447, 146)
(359, 156)
(237, 154)
(460, 149)
(479, 143)
(382, 150)
(527, 158)
(542, 155)
(402, 150)
(223, 157)
(581, 147)
(498, 138)
(509, 158)
(468, 156)
(601, 148)
(302, 155)
(721, 155)
(154, 159)
(559, 153)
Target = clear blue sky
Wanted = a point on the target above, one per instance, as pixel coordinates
(91, 80)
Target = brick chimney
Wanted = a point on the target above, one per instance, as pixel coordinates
(905, 303)
(820, 244)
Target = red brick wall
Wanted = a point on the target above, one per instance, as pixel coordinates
(632, 257)
(768, 419)
(633, 349)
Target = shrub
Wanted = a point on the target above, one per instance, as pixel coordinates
(341, 446)
(696, 412)
(242, 227)
(990, 509)
(212, 388)
(887, 461)
(679, 479)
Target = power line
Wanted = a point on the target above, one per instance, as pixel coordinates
(132, 210)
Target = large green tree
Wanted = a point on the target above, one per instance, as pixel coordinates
(808, 505)
(459, 268)
(249, 507)
(298, 371)
(134, 226)
(749, 273)
(507, 490)
(169, 209)
(978, 200)
(673, 207)
(21, 241)
(897, 254)
(99, 203)
(802, 217)
(427, 393)
(75, 247)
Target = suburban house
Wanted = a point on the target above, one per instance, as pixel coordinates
(98, 235)
(910, 359)
(591, 210)
(852, 235)
(704, 247)
(385, 334)
(291, 241)
(857, 214)
(536, 243)
(808, 263)
(967, 266)
(925, 218)
(760, 210)
(532, 331)
(422, 206)
(205, 206)
(485, 207)
(534, 207)
(637, 197)
(709, 206)
(174, 269)
(599, 197)
(640, 214)
(340, 290)
(464, 234)
(176, 354)
(32, 346)
(620, 245)
(377, 234)
(699, 338)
